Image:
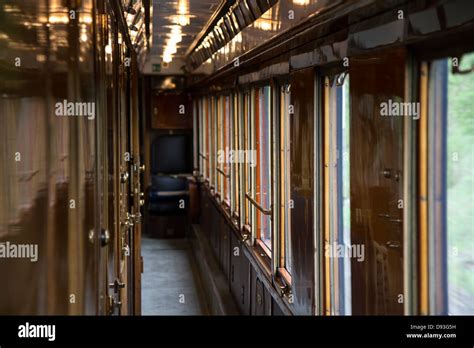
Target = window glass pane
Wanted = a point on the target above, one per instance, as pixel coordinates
(211, 145)
(206, 137)
(339, 207)
(235, 146)
(460, 192)
(285, 176)
(215, 139)
(219, 139)
(263, 194)
(242, 121)
(226, 147)
(247, 147)
(345, 198)
(200, 132)
(196, 135)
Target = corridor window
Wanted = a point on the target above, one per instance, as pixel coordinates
(460, 184)
(235, 146)
(203, 141)
(207, 145)
(337, 194)
(224, 148)
(263, 194)
(219, 112)
(285, 178)
(451, 186)
(213, 142)
(248, 168)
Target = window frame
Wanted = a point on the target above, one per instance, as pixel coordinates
(335, 298)
(256, 208)
(283, 187)
(433, 160)
(235, 166)
(203, 138)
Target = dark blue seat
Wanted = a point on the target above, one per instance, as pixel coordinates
(169, 192)
(168, 195)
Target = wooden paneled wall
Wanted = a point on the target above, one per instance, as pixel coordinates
(250, 287)
(172, 111)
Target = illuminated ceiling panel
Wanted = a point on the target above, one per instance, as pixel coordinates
(176, 23)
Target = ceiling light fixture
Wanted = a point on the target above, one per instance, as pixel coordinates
(301, 2)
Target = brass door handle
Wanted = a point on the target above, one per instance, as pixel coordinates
(124, 177)
(136, 218)
(104, 237)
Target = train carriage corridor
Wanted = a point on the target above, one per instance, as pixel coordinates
(238, 157)
(170, 281)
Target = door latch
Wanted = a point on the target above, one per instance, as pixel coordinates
(116, 286)
(125, 251)
(112, 304)
(128, 221)
(139, 168)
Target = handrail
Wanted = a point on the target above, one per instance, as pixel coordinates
(223, 173)
(258, 206)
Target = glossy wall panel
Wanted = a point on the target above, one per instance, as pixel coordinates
(224, 246)
(58, 170)
(48, 158)
(261, 303)
(285, 14)
(172, 111)
(247, 281)
(239, 276)
(302, 189)
(377, 181)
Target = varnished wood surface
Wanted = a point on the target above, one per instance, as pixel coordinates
(376, 218)
(302, 189)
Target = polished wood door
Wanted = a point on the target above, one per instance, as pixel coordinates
(105, 146)
(126, 221)
(112, 174)
(136, 196)
(376, 169)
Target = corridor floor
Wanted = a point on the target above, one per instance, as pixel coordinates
(170, 282)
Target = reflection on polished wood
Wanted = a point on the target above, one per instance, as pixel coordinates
(53, 190)
(376, 144)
